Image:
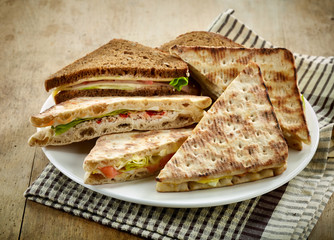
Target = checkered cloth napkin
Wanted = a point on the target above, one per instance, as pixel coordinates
(289, 212)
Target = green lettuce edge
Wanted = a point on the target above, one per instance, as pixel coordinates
(178, 83)
(62, 128)
(303, 100)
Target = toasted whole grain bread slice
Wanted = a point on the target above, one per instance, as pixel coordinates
(238, 140)
(117, 58)
(200, 38)
(216, 67)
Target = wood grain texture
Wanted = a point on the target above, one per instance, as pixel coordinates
(37, 38)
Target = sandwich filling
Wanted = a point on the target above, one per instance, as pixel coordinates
(127, 84)
(150, 164)
(246, 177)
(135, 166)
(122, 113)
(220, 181)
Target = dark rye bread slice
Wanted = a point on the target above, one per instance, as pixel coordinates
(200, 38)
(162, 90)
(120, 58)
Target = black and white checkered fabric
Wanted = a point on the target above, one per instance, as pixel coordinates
(289, 212)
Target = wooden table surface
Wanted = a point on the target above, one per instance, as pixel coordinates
(39, 37)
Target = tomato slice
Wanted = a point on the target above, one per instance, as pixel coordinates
(154, 113)
(98, 121)
(109, 172)
(124, 115)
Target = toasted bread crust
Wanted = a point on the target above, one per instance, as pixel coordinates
(200, 38)
(62, 96)
(238, 135)
(120, 58)
(248, 177)
(85, 107)
(114, 124)
(279, 72)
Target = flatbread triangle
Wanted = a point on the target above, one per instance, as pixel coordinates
(216, 67)
(238, 140)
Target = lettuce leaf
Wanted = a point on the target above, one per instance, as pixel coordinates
(303, 100)
(62, 128)
(136, 163)
(178, 83)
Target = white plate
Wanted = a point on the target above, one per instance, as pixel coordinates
(68, 159)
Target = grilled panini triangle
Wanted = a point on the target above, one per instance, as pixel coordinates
(215, 68)
(238, 140)
(133, 155)
(88, 118)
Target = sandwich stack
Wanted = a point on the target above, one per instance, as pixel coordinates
(144, 107)
(121, 68)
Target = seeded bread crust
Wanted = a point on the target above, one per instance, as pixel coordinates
(200, 38)
(120, 58)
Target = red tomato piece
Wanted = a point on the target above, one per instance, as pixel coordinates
(153, 113)
(124, 115)
(109, 172)
(98, 121)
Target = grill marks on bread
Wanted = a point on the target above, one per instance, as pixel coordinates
(94, 107)
(216, 67)
(108, 125)
(238, 135)
(178, 111)
(116, 149)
